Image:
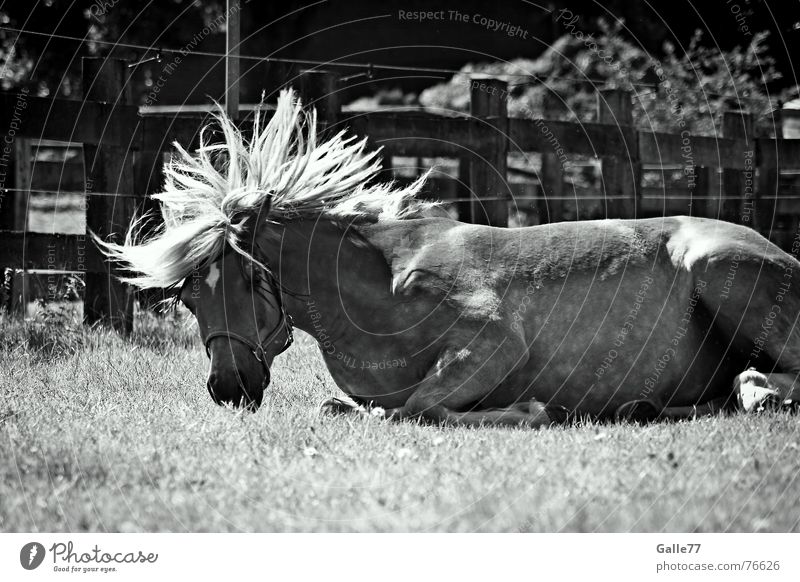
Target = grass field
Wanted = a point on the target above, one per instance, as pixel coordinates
(98, 433)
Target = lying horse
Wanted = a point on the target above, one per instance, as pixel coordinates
(462, 324)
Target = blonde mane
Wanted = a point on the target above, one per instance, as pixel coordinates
(212, 200)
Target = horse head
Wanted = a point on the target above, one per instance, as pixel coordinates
(239, 309)
(220, 202)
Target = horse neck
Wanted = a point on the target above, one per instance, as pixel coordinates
(323, 269)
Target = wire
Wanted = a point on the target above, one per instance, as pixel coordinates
(599, 196)
(370, 67)
(71, 192)
(244, 57)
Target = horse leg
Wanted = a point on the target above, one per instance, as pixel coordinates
(649, 410)
(710, 408)
(459, 379)
(756, 306)
(757, 391)
(531, 414)
(787, 386)
(515, 414)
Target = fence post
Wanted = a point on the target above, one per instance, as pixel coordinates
(776, 115)
(487, 177)
(148, 167)
(17, 220)
(23, 173)
(767, 193)
(738, 125)
(621, 174)
(551, 179)
(109, 168)
(14, 205)
(701, 191)
(464, 208)
(320, 89)
(232, 45)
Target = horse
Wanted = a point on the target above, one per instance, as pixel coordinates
(420, 316)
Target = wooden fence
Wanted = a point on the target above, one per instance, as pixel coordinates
(734, 176)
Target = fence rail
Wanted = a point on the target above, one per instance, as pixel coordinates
(52, 252)
(87, 122)
(123, 152)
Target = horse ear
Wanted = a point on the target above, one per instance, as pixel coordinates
(266, 206)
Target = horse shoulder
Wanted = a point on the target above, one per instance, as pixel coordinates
(699, 241)
(424, 268)
(458, 267)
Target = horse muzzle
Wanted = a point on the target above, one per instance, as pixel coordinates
(238, 388)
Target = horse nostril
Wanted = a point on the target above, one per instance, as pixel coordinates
(228, 387)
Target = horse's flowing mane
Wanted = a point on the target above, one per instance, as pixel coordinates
(219, 196)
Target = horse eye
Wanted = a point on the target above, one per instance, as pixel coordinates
(249, 272)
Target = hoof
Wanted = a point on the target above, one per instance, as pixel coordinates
(754, 393)
(341, 406)
(537, 414)
(638, 411)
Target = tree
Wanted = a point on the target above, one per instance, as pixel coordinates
(46, 64)
(686, 90)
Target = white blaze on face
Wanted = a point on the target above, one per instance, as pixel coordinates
(213, 277)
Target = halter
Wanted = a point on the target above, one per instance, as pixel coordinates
(257, 347)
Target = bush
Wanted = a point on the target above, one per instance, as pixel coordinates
(679, 91)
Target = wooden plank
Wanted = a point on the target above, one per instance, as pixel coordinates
(320, 90)
(488, 173)
(148, 180)
(22, 181)
(428, 135)
(550, 206)
(59, 252)
(621, 171)
(422, 134)
(109, 168)
(688, 150)
(65, 120)
(148, 172)
(57, 176)
(737, 125)
(232, 45)
(701, 191)
(588, 139)
(20, 293)
(18, 219)
(159, 132)
(7, 198)
(463, 208)
(772, 157)
(400, 134)
(766, 196)
(772, 153)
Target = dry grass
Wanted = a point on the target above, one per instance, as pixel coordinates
(102, 434)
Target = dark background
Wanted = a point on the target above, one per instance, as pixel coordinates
(346, 30)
